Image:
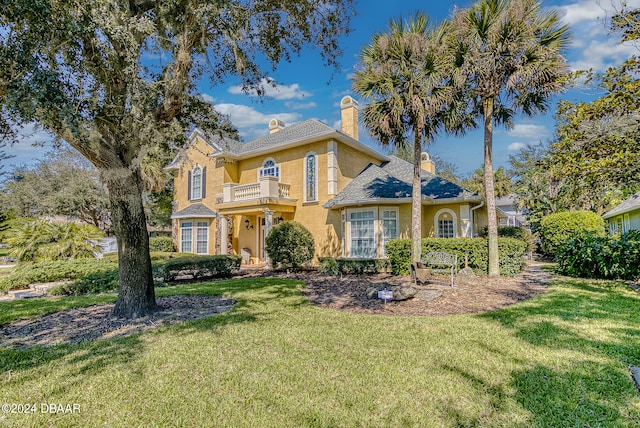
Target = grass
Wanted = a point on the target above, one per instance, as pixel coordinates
(559, 359)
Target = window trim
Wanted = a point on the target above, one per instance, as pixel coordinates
(182, 235)
(305, 178)
(193, 182)
(376, 231)
(276, 167)
(382, 209)
(436, 222)
(201, 225)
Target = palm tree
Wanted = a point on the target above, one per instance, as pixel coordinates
(401, 76)
(509, 53)
(503, 183)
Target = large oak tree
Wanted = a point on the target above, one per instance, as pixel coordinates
(116, 79)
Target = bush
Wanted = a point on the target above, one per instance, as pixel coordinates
(521, 233)
(592, 256)
(42, 240)
(48, 271)
(558, 229)
(200, 267)
(290, 245)
(511, 253)
(335, 266)
(162, 244)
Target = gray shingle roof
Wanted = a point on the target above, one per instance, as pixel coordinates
(195, 211)
(394, 180)
(299, 131)
(627, 205)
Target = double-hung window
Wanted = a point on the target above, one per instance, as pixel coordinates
(186, 236)
(202, 237)
(196, 183)
(389, 227)
(363, 234)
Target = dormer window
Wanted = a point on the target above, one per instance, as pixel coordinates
(197, 182)
(270, 169)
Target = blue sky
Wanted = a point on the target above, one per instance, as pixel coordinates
(306, 89)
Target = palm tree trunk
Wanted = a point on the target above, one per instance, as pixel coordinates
(136, 296)
(492, 223)
(416, 201)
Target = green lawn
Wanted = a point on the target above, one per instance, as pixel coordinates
(557, 360)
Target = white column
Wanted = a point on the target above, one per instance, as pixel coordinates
(224, 233)
(268, 224)
(465, 221)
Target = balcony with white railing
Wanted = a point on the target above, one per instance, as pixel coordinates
(267, 188)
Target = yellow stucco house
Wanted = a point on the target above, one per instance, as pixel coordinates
(353, 199)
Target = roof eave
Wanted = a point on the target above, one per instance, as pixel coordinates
(313, 139)
(377, 201)
(611, 214)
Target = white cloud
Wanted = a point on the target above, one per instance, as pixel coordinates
(602, 54)
(299, 106)
(208, 98)
(586, 10)
(529, 131)
(32, 145)
(592, 44)
(245, 117)
(514, 147)
(278, 92)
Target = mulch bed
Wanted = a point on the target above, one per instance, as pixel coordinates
(484, 293)
(95, 322)
(347, 293)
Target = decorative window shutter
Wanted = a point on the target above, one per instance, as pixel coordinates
(189, 186)
(204, 182)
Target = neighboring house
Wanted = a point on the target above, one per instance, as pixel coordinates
(624, 217)
(512, 215)
(353, 199)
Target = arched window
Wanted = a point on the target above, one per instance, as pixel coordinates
(311, 177)
(446, 224)
(270, 168)
(196, 183)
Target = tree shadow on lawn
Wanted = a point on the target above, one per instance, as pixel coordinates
(595, 319)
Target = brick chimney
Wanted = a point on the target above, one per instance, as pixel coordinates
(426, 164)
(275, 125)
(349, 109)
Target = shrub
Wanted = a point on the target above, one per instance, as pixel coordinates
(163, 244)
(558, 229)
(521, 233)
(603, 257)
(335, 266)
(199, 267)
(511, 253)
(48, 271)
(290, 245)
(42, 240)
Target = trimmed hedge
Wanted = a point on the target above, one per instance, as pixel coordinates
(200, 267)
(161, 244)
(590, 256)
(511, 253)
(48, 271)
(336, 266)
(559, 228)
